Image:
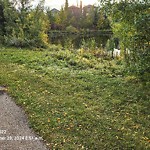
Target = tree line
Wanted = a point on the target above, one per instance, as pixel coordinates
(79, 18)
(21, 25)
(24, 26)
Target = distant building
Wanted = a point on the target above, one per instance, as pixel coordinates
(87, 9)
(54, 11)
(74, 10)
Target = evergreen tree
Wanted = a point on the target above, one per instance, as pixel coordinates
(66, 5)
(95, 19)
(2, 21)
(25, 26)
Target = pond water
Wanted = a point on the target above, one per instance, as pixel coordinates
(79, 40)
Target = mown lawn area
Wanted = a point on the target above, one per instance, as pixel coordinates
(77, 101)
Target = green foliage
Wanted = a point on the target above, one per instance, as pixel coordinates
(25, 27)
(66, 5)
(89, 45)
(130, 23)
(61, 19)
(103, 21)
(54, 48)
(68, 44)
(71, 29)
(11, 20)
(80, 18)
(39, 25)
(110, 44)
(2, 22)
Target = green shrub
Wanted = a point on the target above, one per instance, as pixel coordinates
(71, 29)
(89, 44)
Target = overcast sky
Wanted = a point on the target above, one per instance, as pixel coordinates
(58, 3)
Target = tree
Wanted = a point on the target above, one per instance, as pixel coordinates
(95, 19)
(61, 19)
(25, 26)
(130, 23)
(38, 26)
(11, 22)
(2, 21)
(88, 18)
(66, 5)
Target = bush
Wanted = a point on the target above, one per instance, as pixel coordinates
(71, 29)
(90, 44)
(54, 47)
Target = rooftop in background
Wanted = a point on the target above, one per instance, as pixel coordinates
(54, 11)
(60, 3)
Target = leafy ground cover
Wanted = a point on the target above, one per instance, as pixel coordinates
(77, 101)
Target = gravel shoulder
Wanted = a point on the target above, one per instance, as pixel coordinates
(15, 133)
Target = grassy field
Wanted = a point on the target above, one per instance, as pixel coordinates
(77, 101)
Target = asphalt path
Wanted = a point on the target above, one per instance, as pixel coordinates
(15, 133)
